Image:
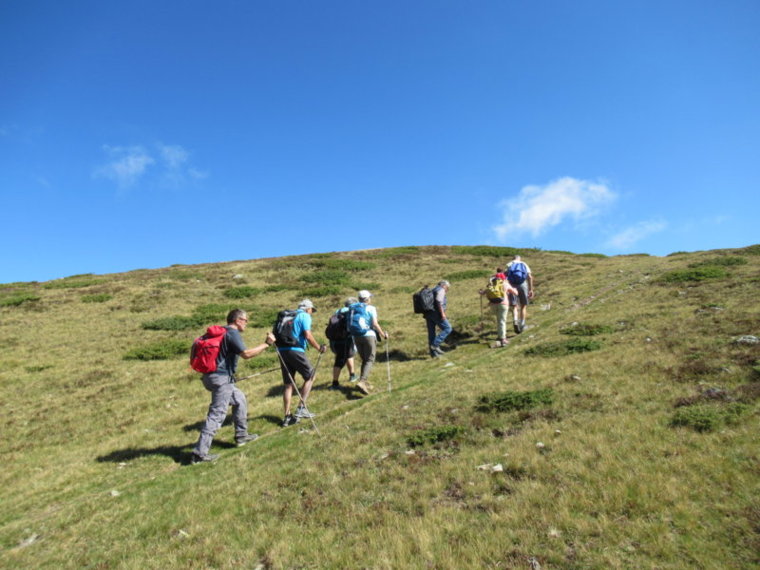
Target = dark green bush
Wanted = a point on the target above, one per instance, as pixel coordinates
(434, 435)
(163, 350)
(597, 255)
(572, 346)
(585, 329)
(694, 274)
(509, 401)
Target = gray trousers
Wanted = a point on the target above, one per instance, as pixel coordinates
(366, 347)
(223, 394)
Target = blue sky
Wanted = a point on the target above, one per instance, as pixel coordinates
(144, 134)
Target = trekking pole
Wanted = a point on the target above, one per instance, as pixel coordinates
(388, 361)
(298, 393)
(257, 374)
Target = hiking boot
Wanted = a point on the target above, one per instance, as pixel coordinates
(289, 420)
(203, 458)
(334, 386)
(364, 387)
(517, 327)
(353, 378)
(436, 349)
(302, 412)
(241, 441)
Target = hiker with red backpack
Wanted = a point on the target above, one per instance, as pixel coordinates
(216, 354)
(520, 277)
(497, 292)
(341, 343)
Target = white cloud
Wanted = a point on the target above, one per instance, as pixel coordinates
(537, 208)
(174, 156)
(127, 165)
(628, 237)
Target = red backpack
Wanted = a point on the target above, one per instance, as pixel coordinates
(205, 349)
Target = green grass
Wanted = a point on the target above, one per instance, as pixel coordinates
(17, 299)
(700, 273)
(628, 440)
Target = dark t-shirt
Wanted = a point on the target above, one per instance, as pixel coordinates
(232, 346)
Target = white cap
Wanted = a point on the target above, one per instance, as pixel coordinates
(364, 294)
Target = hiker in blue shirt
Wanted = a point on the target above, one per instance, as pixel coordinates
(437, 318)
(521, 278)
(221, 384)
(293, 360)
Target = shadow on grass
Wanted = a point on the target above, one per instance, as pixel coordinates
(179, 453)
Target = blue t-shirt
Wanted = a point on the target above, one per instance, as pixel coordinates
(301, 324)
(229, 351)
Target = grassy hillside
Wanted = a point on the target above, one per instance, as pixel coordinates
(619, 431)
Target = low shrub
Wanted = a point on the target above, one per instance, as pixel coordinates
(726, 261)
(327, 277)
(752, 249)
(695, 274)
(69, 283)
(573, 346)
(707, 417)
(324, 291)
(163, 350)
(585, 329)
(241, 292)
(597, 255)
(469, 274)
(484, 250)
(97, 298)
(18, 299)
(509, 401)
(344, 264)
(434, 435)
(172, 324)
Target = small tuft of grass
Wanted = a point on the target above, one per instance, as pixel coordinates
(435, 435)
(510, 401)
(163, 350)
(573, 346)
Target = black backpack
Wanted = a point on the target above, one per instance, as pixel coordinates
(424, 301)
(337, 326)
(283, 329)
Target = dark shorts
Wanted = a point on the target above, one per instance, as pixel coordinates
(343, 350)
(294, 361)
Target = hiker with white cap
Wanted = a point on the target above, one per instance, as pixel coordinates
(364, 327)
(292, 333)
